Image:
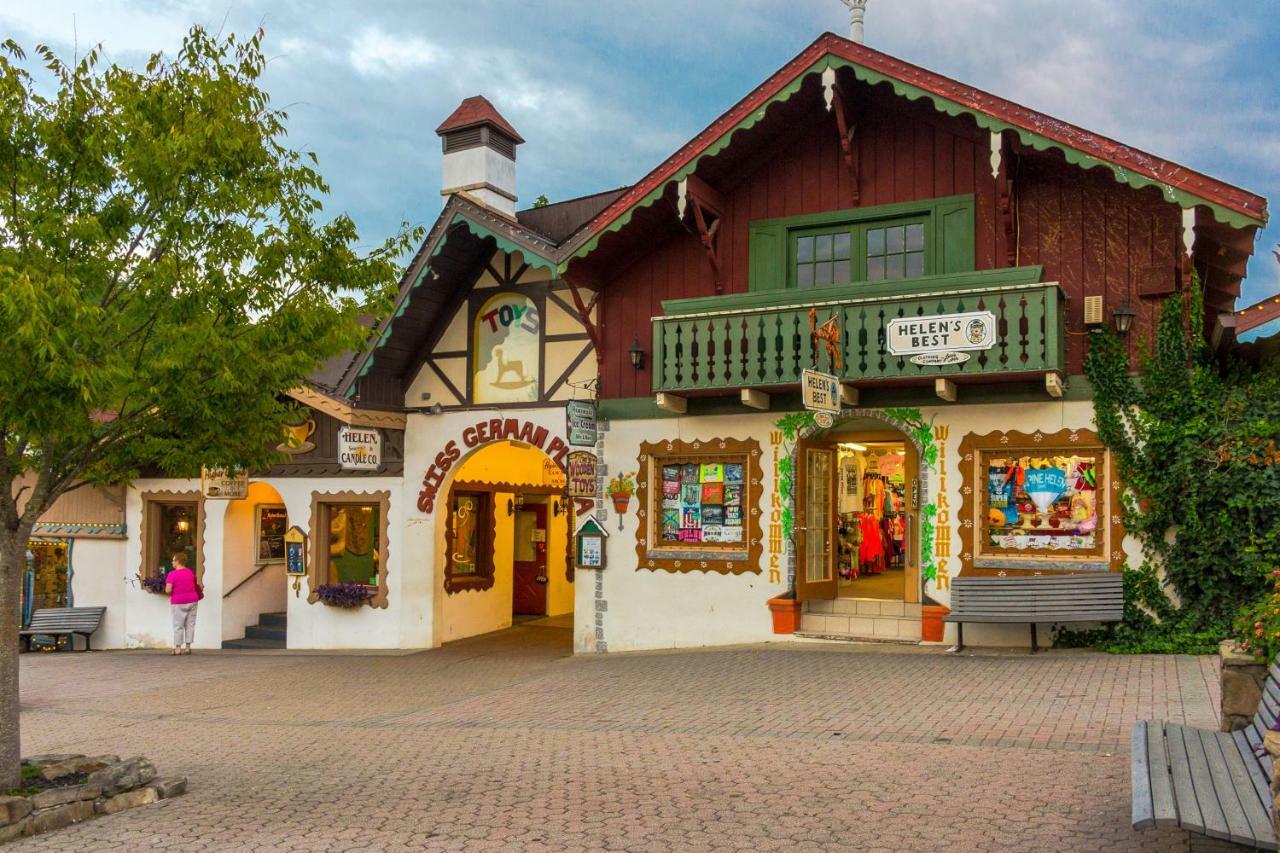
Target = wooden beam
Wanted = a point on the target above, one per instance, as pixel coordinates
(754, 399)
(1222, 324)
(945, 388)
(1257, 314)
(708, 212)
(1054, 385)
(848, 395)
(672, 403)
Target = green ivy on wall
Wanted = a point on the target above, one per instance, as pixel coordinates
(791, 426)
(912, 422)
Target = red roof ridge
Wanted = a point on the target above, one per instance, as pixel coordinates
(477, 110)
(1064, 133)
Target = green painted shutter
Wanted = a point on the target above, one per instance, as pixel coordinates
(768, 247)
(953, 233)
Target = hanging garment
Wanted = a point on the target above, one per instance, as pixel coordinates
(871, 552)
(875, 493)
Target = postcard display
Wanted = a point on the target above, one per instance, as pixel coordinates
(702, 502)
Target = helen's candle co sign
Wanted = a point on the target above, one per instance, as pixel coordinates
(941, 338)
(359, 448)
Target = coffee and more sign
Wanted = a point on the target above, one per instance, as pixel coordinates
(941, 338)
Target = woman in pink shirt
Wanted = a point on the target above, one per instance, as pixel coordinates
(184, 595)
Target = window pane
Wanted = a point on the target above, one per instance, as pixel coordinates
(465, 521)
(822, 247)
(804, 249)
(894, 238)
(875, 269)
(842, 243)
(875, 241)
(804, 275)
(893, 266)
(353, 540)
(915, 264)
(915, 237)
(177, 535)
(822, 273)
(840, 273)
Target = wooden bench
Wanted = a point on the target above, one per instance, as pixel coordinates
(1041, 598)
(1207, 782)
(64, 622)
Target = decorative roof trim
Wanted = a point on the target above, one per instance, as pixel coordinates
(345, 412)
(84, 530)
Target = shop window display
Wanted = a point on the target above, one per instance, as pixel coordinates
(699, 505)
(469, 537)
(350, 542)
(1041, 503)
(171, 524)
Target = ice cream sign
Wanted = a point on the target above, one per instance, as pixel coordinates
(941, 338)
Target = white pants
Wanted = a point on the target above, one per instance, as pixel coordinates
(184, 623)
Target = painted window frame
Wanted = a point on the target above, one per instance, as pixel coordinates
(977, 559)
(318, 570)
(484, 576)
(725, 558)
(258, 559)
(152, 504)
(950, 234)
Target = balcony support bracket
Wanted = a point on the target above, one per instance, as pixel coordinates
(754, 399)
(848, 395)
(708, 211)
(1055, 385)
(672, 403)
(945, 389)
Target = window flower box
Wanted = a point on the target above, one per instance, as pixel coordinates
(345, 595)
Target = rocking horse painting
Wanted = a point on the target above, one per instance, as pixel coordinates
(508, 336)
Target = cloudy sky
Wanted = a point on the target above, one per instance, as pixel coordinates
(603, 90)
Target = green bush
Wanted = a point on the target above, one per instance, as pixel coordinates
(1257, 627)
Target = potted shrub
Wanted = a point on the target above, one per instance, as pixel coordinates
(786, 613)
(346, 595)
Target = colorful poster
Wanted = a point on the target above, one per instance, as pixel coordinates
(713, 493)
(733, 515)
(671, 503)
(721, 533)
(692, 495)
(712, 472)
(690, 473)
(733, 472)
(671, 472)
(671, 525)
(712, 514)
(691, 517)
(671, 488)
(733, 495)
(691, 534)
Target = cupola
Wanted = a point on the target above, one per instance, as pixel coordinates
(480, 155)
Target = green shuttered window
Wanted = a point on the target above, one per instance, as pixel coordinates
(885, 243)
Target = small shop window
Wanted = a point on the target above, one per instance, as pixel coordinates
(171, 525)
(823, 259)
(349, 535)
(1039, 502)
(895, 251)
(271, 522)
(699, 505)
(469, 541)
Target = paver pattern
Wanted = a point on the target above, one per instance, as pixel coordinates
(508, 742)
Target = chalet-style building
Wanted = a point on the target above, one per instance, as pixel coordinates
(943, 252)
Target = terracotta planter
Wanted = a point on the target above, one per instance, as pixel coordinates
(786, 615)
(621, 502)
(931, 624)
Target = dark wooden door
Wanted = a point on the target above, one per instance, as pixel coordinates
(529, 595)
(815, 525)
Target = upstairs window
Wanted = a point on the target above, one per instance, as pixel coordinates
(895, 251)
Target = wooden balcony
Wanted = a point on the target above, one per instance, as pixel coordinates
(762, 340)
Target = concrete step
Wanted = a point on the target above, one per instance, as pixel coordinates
(277, 619)
(253, 644)
(905, 628)
(852, 638)
(266, 632)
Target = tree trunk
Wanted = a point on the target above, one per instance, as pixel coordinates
(13, 554)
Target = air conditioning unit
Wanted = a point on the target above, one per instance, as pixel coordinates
(1093, 311)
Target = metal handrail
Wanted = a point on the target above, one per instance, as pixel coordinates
(255, 573)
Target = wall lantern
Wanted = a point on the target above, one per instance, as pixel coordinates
(557, 507)
(1123, 318)
(637, 355)
(182, 525)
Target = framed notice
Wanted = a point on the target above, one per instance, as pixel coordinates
(295, 552)
(589, 552)
(270, 523)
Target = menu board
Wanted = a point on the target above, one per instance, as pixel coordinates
(702, 502)
(272, 523)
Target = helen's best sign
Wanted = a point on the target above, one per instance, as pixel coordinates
(975, 330)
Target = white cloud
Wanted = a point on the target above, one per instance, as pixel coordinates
(377, 53)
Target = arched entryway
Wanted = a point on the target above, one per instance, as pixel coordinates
(502, 543)
(858, 497)
(254, 585)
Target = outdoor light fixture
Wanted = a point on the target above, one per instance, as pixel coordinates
(182, 525)
(637, 355)
(1123, 318)
(557, 507)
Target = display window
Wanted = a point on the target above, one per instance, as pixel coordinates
(172, 523)
(699, 505)
(469, 541)
(1039, 502)
(350, 541)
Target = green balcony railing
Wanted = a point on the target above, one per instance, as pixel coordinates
(763, 340)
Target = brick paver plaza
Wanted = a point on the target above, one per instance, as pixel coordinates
(507, 741)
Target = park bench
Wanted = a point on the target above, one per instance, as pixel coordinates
(64, 622)
(1040, 598)
(1212, 783)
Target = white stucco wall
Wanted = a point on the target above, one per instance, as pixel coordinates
(98, 580)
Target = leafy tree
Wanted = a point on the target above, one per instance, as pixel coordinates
(163, 279)
(1195, 443)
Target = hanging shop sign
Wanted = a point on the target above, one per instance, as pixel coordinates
(589, 537)
(580, 417)
(224, 484)
(941, 334)
(820, 391)
(481, 433)
(359, 448)
(582, 474)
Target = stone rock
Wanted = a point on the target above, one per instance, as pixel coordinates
(1242, 681)
(72, 766)
(128, 800)
(14, 809)
(173, 786)
(69, 794)
(50, 758)
(16, 830)
(123, 776)
(60, 816)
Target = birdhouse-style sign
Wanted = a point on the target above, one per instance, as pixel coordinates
(295, 556)
(589, 538)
